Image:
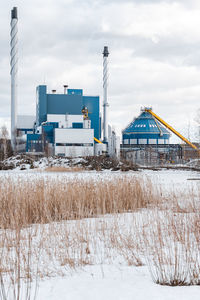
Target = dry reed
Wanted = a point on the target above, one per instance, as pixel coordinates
(171, 246)
(64, 169)
(40, 201)
(165, 234)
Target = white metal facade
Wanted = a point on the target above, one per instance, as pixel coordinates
(25, 122)
(65, 121)
(74, 142)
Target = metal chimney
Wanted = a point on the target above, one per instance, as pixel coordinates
(65, 88)
(13, 73)
(105, 100)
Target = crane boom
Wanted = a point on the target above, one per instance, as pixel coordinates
(170, 128)
(98, 141)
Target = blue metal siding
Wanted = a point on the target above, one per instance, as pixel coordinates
(41, 105)
(145, 123)
(62, 104)
(145, 127)
(77, 125)
(75, 92)
(48, 130)
(92, 103)
(33, 138)
(71, 103)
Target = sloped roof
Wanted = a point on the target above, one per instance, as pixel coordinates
(145, 123)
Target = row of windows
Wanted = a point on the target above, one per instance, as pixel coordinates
(75, 144)
(145, 141)
(35, 141)
(143, 125)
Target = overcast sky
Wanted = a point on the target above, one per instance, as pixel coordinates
(154, 55)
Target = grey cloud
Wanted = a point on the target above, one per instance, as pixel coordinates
(59, 42)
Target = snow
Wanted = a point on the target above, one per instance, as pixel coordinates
(114, 279)
(112, 283)
(169, 180)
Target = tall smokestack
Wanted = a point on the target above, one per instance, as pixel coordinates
(13, 73)
(105, 100)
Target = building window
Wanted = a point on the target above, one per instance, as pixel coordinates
(61, 154)
(133, 141)
(161, 141)
(126, 141)
(75, 144)
(152, 141)
(142, 141)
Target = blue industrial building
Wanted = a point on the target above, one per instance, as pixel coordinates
(145, 130)
(71, 103)
(70, 110)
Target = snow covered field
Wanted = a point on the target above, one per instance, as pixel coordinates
(168, 178)
(111, 282)
(108, 257)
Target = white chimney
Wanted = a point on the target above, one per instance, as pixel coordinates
(13, 72)
(105, 100)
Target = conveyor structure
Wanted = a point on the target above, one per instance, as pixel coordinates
(149, 110)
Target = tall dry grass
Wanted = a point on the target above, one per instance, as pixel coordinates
(44, 231)
(171, 246)
(55, 169)
(44, 201)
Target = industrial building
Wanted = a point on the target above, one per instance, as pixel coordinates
(146, 141)
(70, 123)
(145, 130)
(67, 124)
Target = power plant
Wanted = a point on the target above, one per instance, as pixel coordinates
(66, 124)
(71, 124)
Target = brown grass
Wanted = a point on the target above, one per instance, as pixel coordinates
(64, 169)
(144, 227)
(171, 247)
(42, 201)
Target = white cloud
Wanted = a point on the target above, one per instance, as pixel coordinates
(154, 54)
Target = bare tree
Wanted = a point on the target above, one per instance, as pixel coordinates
(4, 139)
(197, 120)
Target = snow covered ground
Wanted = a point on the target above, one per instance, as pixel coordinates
(168, 179)
(109, 282)
(103, 278)
(112, 283)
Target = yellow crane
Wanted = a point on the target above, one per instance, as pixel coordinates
(98, 141)
(149, 110)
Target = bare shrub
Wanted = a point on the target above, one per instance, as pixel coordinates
(171, 247)
(18, 264)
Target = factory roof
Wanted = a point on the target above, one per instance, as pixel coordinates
(145, 123)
